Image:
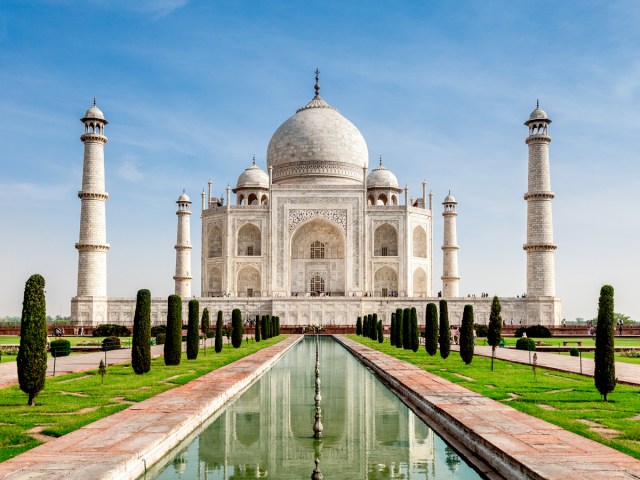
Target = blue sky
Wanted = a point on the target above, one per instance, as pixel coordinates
(193, 89)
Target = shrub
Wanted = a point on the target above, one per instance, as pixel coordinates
(415, 330)
(365, 326)
(630, 353)
(236, 328)
(392, 330)
(141, 344)
(494, 332)
(444, 334)
(60, 348)
(481, 330)
(205, 323)
(380, 332)
(359, 326)
(155, 330)
(374, 326)
(406, 329)
(161, 338)
(574, 352)
(257, 329)
(111, 343)
(218, 341)
(277, 325)
(466, 335)
(173, 343)
(263, 327)
(399, 322)
(538, 331)
(605, 367)
(431, 329)
(193, 334)
(111, 330)
(32, 356)
(526, 344)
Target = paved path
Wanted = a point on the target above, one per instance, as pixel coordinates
(74, 363)
(123, 445)
(628, 373)
(514, 444)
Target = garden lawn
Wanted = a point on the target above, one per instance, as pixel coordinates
(586, 341)
(73, 340)
(569, 401)
(71, 401)
(617, 355)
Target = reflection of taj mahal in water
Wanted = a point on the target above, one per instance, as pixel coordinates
(317, 238)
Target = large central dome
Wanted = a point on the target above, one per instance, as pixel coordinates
(317, 145)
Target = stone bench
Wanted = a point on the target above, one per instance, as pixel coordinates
(568, 342)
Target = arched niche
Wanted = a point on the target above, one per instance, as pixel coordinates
(214, 282)
(249, 281)
(419, 242)
(419, 282)
(214, 241)
(385, 241)
(385, 281)
(249, 241)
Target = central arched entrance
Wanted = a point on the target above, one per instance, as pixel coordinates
(317, 259)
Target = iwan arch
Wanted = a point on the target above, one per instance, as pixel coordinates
(317, 237)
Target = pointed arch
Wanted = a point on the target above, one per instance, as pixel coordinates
(248, 282)
(249, 241)
(419, 242)
(214, 241)
(419, 282)
(385, 281)
(385, 241)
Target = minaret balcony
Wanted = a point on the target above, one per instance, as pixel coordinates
(93, 137)
(533, 247)
(539, 196)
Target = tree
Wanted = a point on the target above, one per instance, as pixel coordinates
(431, 329)
(399, 324)
(141, 341)
(466, 335)
(263, 327)
(605, 367)
(205, 326)
(444, 337)
(218, 340)
(359, 326)
(374, 326)
(415, 330)
(173, 341)
(193, 335)
(392, 330)
(277, 325)
(257, 331)
(406, 329)
(380, 332)
(236, 328)
(365, 326)
(495, 327)
(32, 355)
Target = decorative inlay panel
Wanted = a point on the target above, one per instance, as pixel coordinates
(339, 217)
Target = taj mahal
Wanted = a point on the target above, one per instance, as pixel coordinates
(317, 237)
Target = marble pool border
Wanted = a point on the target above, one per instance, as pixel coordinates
(126, 444)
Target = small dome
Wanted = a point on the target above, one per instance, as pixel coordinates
(538, 114)
(184, 197)
(381, 177)
(94, 112)
(253, 177)
(449, 199)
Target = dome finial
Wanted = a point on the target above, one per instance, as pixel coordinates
(537, 103)
(94, 101)
(254, 159)
(380, 159)
(317, 85)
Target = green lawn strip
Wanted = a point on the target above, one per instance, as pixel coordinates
(558, 341)
(71, 401)
(618, 357)
(73, 340)
(567, 400)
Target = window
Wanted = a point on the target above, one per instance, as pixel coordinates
(317, 251)
(385, 251)
(385, 292)
(250, 250)
(249, 292)
(317, 284)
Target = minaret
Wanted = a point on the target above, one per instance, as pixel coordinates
(183, 248)
(450, 278)
(539, 247)
(92, 246)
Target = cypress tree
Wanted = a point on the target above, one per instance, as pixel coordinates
(193, 337)
(269, 330)
(406, 329)
(494, 331)
(263, 327)
(173, 341)
(399, 323)
(444, 337)
(205, 326)
(466, 335)
(32, 355)
(415, 330)
(141, 341)
(380, 332)
(236, 328)
(277, 325)
(359, 326)
(274, 330)
(392, 330)
(431, 329)
(365, 327)
(605, 367)
(374, 324)
(257, 332)
(218, 341)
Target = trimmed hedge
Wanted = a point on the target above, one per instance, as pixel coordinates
(161, 338)
(173, 344)
(526, 344)
(155, 330)
(111, 343)
(111, 330)
(141, 342)
(60, 348)
(444, 335)
(535, 331)
(193, 333)
(431, 329)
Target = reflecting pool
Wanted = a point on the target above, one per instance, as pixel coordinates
(268, 431)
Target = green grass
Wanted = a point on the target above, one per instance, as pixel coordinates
(573, 397)
(71, 401)
(586, 341)
(618, 357)
(73, 340)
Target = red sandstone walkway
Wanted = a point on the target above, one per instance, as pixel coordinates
(513, 443)
(628, 373)
(126, 443)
